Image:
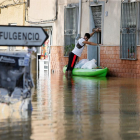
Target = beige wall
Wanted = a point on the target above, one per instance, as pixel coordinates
(58, 30)
(111, 25)
(41, 10)
(46, 10)
(85, 18)
(111, 34)
(12, 14)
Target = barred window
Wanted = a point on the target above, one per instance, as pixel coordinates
(138, 37)
(70, 28)
(128, 31)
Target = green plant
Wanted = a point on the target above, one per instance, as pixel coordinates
(68, 49)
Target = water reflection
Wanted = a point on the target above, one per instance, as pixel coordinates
(78, 108)
(129, 111)
(15, 123)
(82, 112)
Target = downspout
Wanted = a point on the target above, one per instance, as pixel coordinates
(79, 21)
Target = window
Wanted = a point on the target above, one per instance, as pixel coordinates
(138, 38)
(70, 28)
(128, 32)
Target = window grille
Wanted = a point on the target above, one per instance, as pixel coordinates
(97, 16)
(138, 38)
(128, 32)
(70, 28)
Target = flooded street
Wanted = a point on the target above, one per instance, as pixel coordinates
(77, 108)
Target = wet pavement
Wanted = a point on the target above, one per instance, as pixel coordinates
(77, 108)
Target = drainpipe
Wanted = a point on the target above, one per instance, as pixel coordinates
(79, 21)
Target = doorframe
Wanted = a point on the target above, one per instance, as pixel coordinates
(100, 3)
(46, 25)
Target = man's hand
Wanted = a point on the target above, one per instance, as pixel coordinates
(100, 44)
(95, 30)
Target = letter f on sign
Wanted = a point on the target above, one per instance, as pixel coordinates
(1, 34)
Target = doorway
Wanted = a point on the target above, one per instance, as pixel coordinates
(96, 21)
(43, 53)
(97, 17)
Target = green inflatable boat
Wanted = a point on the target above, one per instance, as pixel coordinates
(99, 72)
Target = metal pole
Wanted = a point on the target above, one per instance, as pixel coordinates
(79, 20)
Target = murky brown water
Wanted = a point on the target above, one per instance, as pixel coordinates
(78, 108)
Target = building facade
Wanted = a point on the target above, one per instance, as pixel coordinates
(67, 20)
(12, 13)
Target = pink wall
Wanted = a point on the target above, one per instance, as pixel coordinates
(110, 57)
(58, 61)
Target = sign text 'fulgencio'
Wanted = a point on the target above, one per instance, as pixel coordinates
(19, 36)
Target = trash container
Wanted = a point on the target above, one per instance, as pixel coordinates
(15, 76)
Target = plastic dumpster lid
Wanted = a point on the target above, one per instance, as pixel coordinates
(14, 54)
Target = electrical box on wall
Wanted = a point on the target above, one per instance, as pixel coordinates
(106, 13)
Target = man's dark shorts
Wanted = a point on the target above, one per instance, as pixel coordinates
(72, 61)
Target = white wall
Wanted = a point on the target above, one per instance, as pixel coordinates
(58, 28)
(41, 10)
(45, 9)
(12, 14)
(85, 18)
(111, 34)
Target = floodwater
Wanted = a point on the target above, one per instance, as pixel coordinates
(77, 108)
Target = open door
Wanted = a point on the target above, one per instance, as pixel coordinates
(95, 22)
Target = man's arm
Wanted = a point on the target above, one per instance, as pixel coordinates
(90, 43)
(93, 31)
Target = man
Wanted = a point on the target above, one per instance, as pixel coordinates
(77, 51)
